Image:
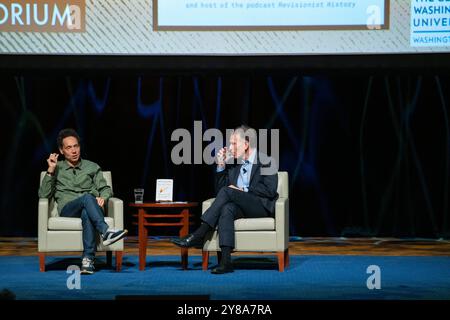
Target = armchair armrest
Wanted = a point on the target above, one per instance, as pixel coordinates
(206, 204)
(43, 214)
(115, 211)
(282, 223)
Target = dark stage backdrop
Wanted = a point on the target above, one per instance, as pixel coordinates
(366, 155)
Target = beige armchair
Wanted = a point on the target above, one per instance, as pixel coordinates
(259, 234)
(56, 234)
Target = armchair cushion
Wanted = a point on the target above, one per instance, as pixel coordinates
(253, 224)
(71, 224)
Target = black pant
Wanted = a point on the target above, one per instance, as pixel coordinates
(229, 205)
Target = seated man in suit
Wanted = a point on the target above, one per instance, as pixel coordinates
(243, 190)
(81, 191)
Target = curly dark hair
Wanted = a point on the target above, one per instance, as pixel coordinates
(64, 133)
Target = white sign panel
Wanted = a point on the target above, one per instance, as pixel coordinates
(430, 23)
(296, 14)
(223, 27)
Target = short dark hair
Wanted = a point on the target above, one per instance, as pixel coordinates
(248, 133)
(64, 133)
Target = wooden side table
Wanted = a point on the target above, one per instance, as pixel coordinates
(147, 219)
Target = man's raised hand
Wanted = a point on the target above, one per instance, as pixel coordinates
(51, 161)
(221, 156)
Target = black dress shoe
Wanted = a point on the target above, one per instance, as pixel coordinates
(189, 241)
(221, 269)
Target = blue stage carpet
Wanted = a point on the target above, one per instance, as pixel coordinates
(308, 277)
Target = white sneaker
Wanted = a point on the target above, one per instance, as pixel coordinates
(113, 235)
(87, 266)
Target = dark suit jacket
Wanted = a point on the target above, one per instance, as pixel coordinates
(262, 186)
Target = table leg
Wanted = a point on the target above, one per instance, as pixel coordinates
(142, 230)
(183, 232)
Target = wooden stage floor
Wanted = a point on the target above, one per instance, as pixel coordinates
(10, 246)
